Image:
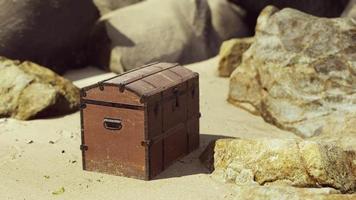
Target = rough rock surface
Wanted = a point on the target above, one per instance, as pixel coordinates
(172, 31)
(227, 20)
(290, 193)
(342, 131)
(284, 162)
(28, 91)
(106, 6)
(231, 54)
(321, 8)
(53, 33)
(295, 75)
(350, 10)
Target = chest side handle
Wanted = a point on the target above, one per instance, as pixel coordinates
(112, 124)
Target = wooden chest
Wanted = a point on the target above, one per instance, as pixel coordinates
(138, 123)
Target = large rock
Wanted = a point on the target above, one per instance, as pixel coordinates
(290, 193)
(230, 54)
(350, 10)
(53, 33)
(172, 31)
(227, 20)
(321, 8)
(284, 162)
(300, 72)
(106, 6)
(29, 91)
(342, 133)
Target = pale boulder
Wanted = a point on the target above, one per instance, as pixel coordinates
(182, 31)
(227, 20)
(106, 6)
(230, 54)
(284, 162)
(29, 91)
(350, 10)
(299, 73)
(289, 193)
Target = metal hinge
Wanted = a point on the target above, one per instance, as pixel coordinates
(101, 85)
(83, 147)
(83, 93)
(82, 106)
(146, 143)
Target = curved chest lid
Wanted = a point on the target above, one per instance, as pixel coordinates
(152, 78)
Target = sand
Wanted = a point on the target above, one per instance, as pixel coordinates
(40, 157)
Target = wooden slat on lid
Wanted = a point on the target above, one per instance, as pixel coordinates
(128, 78)
(152, 79)
(128, 72)
(140, 87)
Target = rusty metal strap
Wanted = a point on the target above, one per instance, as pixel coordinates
(157, 90)
(112, 104)
(170, 131)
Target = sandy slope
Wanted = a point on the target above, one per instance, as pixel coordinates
(39, 157)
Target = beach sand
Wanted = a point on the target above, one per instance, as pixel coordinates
(40, 159)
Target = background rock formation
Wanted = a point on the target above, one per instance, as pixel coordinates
(321, 8)
(173, 31)
(106, 6)
(295, 75)
(228, 21)
(350, 10)
(28, 91)
(53, 33)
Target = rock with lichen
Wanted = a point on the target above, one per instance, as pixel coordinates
(300, 72)
(287, 162)
(230, 54)
(290, 193)
(29, 91)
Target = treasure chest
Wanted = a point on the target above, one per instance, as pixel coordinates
(138, 123)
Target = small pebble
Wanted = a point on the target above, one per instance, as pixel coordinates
(51, 142)
(63, 151)
(30, 142)
(59, 191)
